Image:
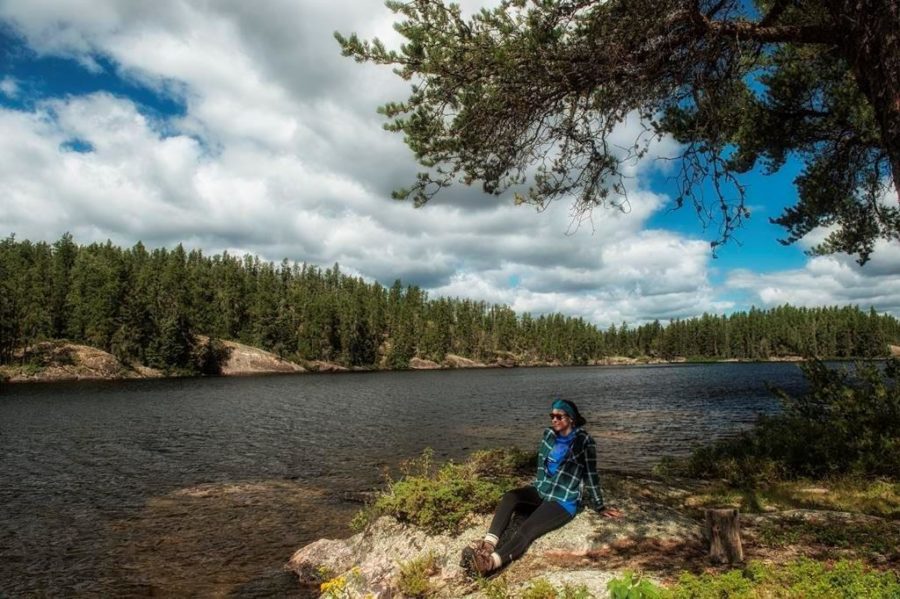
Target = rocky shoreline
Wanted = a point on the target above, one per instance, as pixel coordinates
(369, 563)
(66, 362)
(63, 361)
(660, 536)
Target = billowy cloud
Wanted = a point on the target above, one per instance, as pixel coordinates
(831, 280)
(279, 152)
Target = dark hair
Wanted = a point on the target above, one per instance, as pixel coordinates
(577, 420)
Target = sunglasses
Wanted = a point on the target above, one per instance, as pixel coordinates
(558, 416)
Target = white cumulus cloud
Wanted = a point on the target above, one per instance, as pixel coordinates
(830, 280)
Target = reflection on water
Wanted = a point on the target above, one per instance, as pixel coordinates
(204, 487)
(223, 532)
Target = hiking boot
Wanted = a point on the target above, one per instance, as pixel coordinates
(477, 562)
(482, 547)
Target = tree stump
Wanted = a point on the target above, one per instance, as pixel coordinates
(724, 534)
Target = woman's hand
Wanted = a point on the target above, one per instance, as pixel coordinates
(611, 513)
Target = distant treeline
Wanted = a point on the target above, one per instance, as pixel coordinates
(150, 306)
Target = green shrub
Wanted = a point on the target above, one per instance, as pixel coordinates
(440, 503)
(440, 499)
(633, 586)
(798, 579)
(733, 585)
(808, 578)
(415, 577)
(32, 369)
(495, 588)
(542, 588)
(845, 423)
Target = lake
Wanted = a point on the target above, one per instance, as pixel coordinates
(206, 486)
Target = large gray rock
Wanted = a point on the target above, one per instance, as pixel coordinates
(575, 554)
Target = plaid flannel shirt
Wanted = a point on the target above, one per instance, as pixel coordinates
(578, 466)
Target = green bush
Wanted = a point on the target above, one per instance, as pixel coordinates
(734, 584)
(633, 586)
(798, 579)
(807, 578)
(495, 588)
(845, 423)
(440, 499)
(415, 577)
(579, 592)
(542, 588)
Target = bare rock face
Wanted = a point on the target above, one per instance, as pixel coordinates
(65, 361)
(423, 364)
(370, 561)
(321, 366)
(320, 560)
(454, 361)
(243, 359)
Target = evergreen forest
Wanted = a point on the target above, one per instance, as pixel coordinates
(154, 307)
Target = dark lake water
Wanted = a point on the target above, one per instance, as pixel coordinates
(204, 487)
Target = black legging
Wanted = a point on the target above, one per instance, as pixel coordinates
(543, 516)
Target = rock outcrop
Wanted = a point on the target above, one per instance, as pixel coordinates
(244, 359)
(62, 361)
(590, 550)
(423, 364)
(454, 361)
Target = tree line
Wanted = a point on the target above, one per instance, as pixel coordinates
(156, 307)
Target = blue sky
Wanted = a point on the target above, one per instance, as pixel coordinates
(40, 77)
(234, 127)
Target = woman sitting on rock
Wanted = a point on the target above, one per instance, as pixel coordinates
(566, 478)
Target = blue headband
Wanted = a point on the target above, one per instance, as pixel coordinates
(561, 404)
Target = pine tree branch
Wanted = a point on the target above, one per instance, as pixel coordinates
(774, 13)
(756, 32)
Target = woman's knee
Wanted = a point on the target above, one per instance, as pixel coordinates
(516, 496)
(545, 520)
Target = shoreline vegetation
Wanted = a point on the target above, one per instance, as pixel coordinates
(63, 361)
(176, 312)
(819, 515)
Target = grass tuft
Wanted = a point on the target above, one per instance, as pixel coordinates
(415, 577)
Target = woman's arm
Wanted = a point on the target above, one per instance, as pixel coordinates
(591, 480)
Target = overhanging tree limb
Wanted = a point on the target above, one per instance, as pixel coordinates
(530, 93)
